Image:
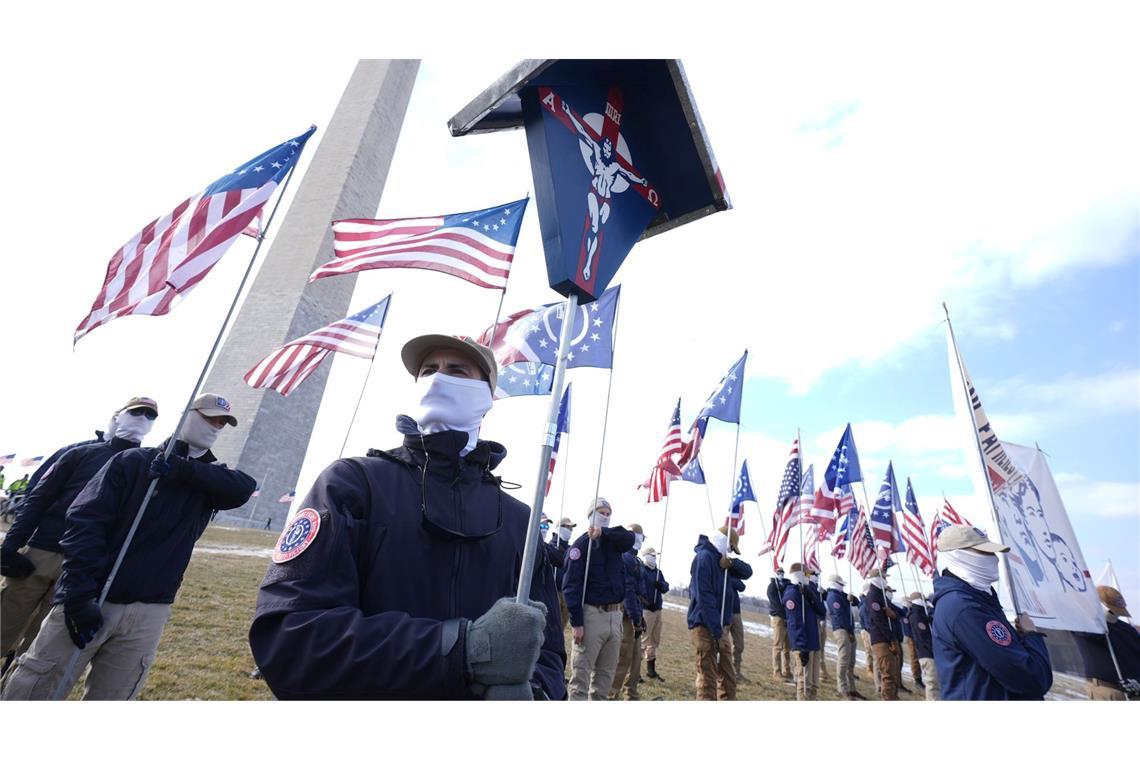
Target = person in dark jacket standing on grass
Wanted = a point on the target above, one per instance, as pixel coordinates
(1104, 683)
(978, 654)
(558, 545)
(653, 586)
(838, 605)
(119, 639)
(628, 672)
(919, 618)
(30, 557)
(884, 645)
(397, 577)
(781, 655)
(804, 608)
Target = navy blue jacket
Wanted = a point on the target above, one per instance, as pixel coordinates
(377, 605)
(839, 611)
(633, 569)
(706, 579)
(898, 622)
(1125, 643)
(40, 520)
(804, 611)
(878, 624)
(556, 554)
(47, 463)
(978, 654)
(101, 515)
(735, 587)
(776, 588)
(864, 614)
(606, 582)
(920, 630)
(653, 585)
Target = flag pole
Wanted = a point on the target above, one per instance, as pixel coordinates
(62, 690)
(368, 374)
(664, 522)
(708, 500)
(550, 433)
(565, 477)
(253, 509)
(981, 458)
(728, 524)
(602, 448)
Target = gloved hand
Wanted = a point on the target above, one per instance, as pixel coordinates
(854, 599)
(517, 692)
(725, 563)
(1131, 687)
(159, 467)
(804, 657)
(83, 620)
(502, 646)
(638, 628)
(15, 565)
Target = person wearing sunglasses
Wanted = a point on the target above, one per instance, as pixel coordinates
(397, 576)
(119, 638)
(30, 557)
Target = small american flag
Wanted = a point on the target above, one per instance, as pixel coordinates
(287, 498)
(287, 367)
(811, 549)
(477, 246)
(563, 427)
(690, 459)
(884, 528)
(30, 461)
(666, 468)
(7, 458)
(863, 551)
(914, 533)
(948, 516)
(156, 268)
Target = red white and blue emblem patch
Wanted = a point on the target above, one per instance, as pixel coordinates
(922, 626)
(790, 604)
(575, 553)
(998, 633)
(835, 605)
(876, 606)
(298, 536)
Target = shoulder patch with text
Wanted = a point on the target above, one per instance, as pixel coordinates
(297, 536)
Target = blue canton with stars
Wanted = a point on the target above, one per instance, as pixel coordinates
(500, 223)
(888, 502)
(591, 335)
(844, 469)
(525, 379)
(272, 165)
(724, 403)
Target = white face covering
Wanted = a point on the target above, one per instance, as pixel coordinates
(720, 541)
(978, 569)
(877, 582)
(564, 534)
(651, 561)
(638, 539)
(1109, 615)
(132, 428)
(198, 434)
(114, 423)
(599, 520)
(797, 578)
(453, 403)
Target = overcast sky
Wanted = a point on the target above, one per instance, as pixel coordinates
(873, 175)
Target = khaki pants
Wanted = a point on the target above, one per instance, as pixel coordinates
(565, 610)
(807, 676)
(930, 679)
(120, 655)
(651, 639)
(594, 660)
(781, 659)
(845, 666)
(24, 602)
(870, 656)
(886, 669)
(737, 632)
(629, 662)
(912, 655)
(823, 650)
(714, 665)
(1103, 690)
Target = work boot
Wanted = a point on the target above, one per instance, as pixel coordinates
(651, 671)
(918, 682)
(741, 678)
(854, 695)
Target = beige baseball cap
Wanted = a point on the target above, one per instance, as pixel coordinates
(598, 503)
(140, 402)
(416, 350)
(1113, 600)
(835, 579)
(967, 537)
(566, 522)
(651, 552)
(213, 405)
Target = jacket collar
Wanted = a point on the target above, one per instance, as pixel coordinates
(121, 444)
(442, 449)
(947, 582)
(182, 449)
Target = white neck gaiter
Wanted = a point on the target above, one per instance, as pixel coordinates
(1109, 615)
(797, 578)
(132, 428)
(564, 534)
(651, 561)
(720, 541)
(114, 423)
(198, 434)
(453, 403)
(877, 582)
(638, 539)
(978, 569)
(544, 528)
(598, 520)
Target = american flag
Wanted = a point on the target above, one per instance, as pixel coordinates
(795, 512)
(863, 549)
(948, 516)
(287, 498)
(811, 549)
(287, 367)
(159, 266)
(666, 468)
(690, 459)
(563, 427)
(842, 471)
(31, 461)
(914, 533)
(740, 494)
(477, 246)
(787, 504)
(888, 540)
(846, 531)
(7, 458)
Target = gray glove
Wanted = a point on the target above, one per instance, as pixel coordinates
(502, 646)
(517, 692)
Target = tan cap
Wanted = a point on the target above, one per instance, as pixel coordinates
(635, 528)
(967, 537)
(213, 405)
(1112, 599)
(914, 596)
(566, 522)
(733, 537)
(416, 350)
(796, 568)
(835, 579)
(140, 402)
(649, 552)
(874, 573)
(598, 503)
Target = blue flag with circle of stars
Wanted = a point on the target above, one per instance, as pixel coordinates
(532, 336)
(525, 379)
(724, 403)
(743, 490)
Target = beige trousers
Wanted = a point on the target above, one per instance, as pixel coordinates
(870, 656)
(807, 676)
(651, 639)
(120, 654)
(1103, 691)
(24, 602)
(845, 667)
(714, 665)
(628, 671)
(886, 669)
(737, 632)
(781, 659)
(823, 674)
(930, 679)
(593, 661)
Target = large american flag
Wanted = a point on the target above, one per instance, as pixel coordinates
(477, 246)
(888, 540)
(811, 549)
(948, 516)
(563, 427)
(842, 471)
(287, 367)
(666, 468)
(163, 262)
(914, 534)
(787, 512)
(863, 549)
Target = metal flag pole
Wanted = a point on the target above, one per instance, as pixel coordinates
(708, 499)
(62, 690)
(664, 522)
(565, 478)
(550, 433)
(981, 458)
(364, 387)
(602, 448)
(728, 524)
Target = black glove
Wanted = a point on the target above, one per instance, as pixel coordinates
(1131, 687)
(83, 619)
(503, 645)
(159, 467)
(804, 657)
(638, 628)
(15, 565)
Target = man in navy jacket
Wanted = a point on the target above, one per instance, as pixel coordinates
(1105, 682)
(804, 608)
(881, 627)
(843, 634)
(978, 654)
(918, 616)
(120, 637)
(653, 585)
(781, 655)
(628, 671)
(710, 615)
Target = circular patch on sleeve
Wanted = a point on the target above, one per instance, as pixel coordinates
(876, 606)
(790, 604)
(298, 536)
(575, 553)
(998, 633)
(922, 626)
(835, 605)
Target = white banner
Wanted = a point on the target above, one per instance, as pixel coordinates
(1052, 582)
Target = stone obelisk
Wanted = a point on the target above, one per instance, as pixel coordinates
(344, 179)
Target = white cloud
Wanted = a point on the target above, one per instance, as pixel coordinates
(1102, 498)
